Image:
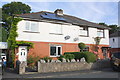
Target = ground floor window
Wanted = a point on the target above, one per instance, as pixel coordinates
(55, 51)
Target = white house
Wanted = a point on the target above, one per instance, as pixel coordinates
(54, 33)
(115, 42)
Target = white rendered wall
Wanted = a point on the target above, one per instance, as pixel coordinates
(116, 43)
(71, 30)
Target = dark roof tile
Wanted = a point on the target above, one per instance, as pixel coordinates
(68, 19)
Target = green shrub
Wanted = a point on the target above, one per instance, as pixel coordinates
(77, 55)
(30, 60)
(61, 58)
(47, 58)
(69, 57)
(89, 57)
(81, 46)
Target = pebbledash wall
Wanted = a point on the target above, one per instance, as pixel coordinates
(42, 39)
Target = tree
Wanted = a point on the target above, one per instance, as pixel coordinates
(113, 29)
(12, 38)
(81, 46)
(10, 10)
(103, 24)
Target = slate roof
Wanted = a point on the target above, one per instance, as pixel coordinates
(66, 18)
(116, 34)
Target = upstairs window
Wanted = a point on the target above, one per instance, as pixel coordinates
(32, 26)
(83, 31)
(56, 29)
(100, 33)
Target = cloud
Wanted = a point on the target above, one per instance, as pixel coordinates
(96, 11)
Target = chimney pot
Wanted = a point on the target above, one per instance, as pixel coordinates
(59, 12)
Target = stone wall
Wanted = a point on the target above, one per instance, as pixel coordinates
(20, 67)
(71, 66)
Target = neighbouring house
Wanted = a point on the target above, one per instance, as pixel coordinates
(115, 42)
(54, 33)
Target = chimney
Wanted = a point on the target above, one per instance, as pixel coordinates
(59, 12)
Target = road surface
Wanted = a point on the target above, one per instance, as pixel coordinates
(105, 73)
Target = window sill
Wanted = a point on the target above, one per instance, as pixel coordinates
(55, 33)
(54, 56)
(83, 36)
(101, 37)
(31, 32)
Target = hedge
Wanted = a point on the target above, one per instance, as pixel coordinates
(77, 55)
(89, 57)
(69, 57)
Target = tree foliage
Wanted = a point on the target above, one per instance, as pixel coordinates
(113, 29)
(15, 8)
(12, 37)
(10, 10)
(24, 42)
(81, 46)
(97, 40)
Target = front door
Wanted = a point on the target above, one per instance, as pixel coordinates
(22, 53)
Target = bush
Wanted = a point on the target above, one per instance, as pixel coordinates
(47, 58)
(32, 60)
(61, 58)
(89, 57)
(81, 46)
(69, 57)
(77, 55)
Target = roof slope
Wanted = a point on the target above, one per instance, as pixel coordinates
(43, 15)
(116, 34)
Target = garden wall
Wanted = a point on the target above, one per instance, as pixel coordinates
(71, 66)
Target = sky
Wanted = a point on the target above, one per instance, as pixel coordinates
(93, 11)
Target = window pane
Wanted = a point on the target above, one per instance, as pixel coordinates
(53, 51)
(27, 27)
(52, 29)
(100, 34)
(34, 27)
(56, 28)
(83, 32)
(59, 50)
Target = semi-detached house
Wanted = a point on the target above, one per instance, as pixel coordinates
(54, 33)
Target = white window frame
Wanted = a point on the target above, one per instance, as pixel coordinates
(100, 31)
(55, 30)
(82, 30)
(56, 50)
(30, 27)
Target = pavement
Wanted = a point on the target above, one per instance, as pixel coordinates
(104, 73)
